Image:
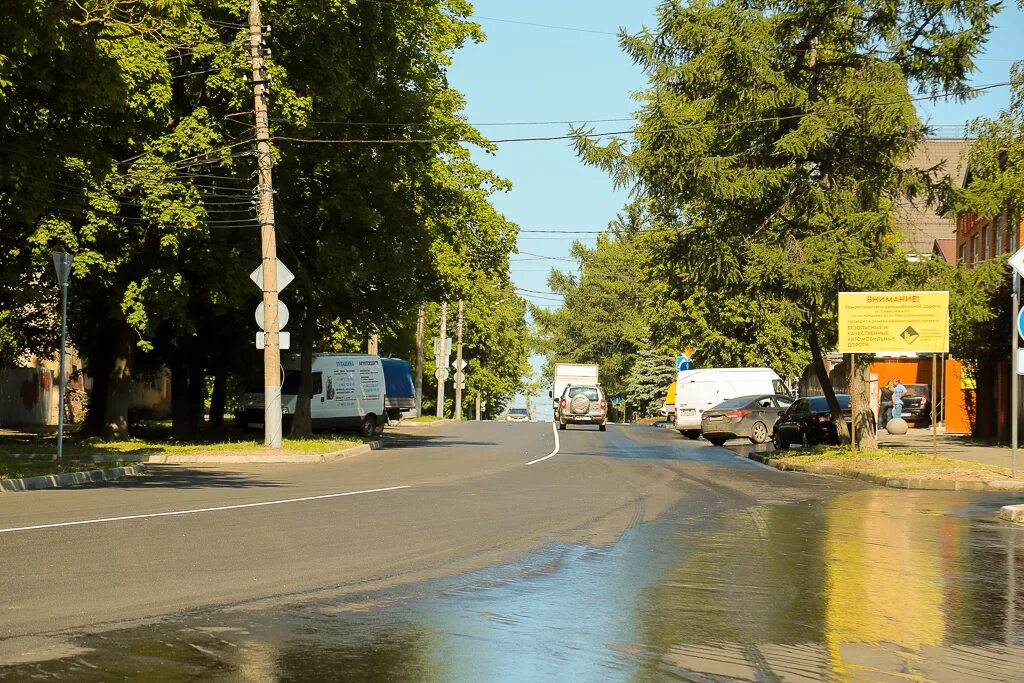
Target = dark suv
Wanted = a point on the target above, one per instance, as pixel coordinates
(583, 404)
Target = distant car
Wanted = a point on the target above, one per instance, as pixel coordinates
(583, 404)
(747, 417)
(809, 422)
(917, 405)
(517, 415)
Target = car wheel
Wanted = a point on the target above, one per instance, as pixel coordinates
(602, 428)
(367, 425)
(759, 433)
(692, 433)
(561, 425)
(778, 443)
(717, 442)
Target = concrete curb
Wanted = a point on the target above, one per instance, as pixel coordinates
(897, 483)
(1012, 513)
(53, 481)
(199, 458)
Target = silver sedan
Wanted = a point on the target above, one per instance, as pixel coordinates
(747, 417)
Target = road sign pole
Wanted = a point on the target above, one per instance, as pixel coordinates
(935, 397)
(1014, 378)
(62, 261)
(442, 359)
(458, 366)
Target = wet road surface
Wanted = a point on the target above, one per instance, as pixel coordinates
(630, 555)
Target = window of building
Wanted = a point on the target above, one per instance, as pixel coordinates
(990, 241)
(1000, 236)
(975, 248)
(963, 253)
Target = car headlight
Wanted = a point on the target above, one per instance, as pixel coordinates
(284, 410)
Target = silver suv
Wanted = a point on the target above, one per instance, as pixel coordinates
(583, 404)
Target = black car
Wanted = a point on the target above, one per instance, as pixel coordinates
(749, 417)
(917, 405)
(809, 421)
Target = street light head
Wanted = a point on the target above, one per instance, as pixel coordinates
(62, 262)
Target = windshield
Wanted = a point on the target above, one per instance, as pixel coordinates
(517, 411)
(819, 404)
(589, 392)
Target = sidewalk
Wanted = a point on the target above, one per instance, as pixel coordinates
(959, 446)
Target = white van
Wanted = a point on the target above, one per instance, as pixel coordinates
(348, 392)
(699, 390)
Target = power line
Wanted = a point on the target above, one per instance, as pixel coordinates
(478, 17)
(670, 129)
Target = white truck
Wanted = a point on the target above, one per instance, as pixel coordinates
(699, 390)
(348, 392)
(570, 373)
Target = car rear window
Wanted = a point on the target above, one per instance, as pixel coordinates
(589, 392)
(819, 404)
(517, 411)
(738, 402)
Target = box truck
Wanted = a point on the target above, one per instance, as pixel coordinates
(570, 373)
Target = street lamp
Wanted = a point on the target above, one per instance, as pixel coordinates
(62, 262)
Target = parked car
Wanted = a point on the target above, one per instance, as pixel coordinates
(700, 390)
(583, 404)
(747, 417)
(517, 415)
(669, 409)
(809, 422)
(917, 405)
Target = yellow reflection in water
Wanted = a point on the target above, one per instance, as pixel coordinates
(884, 582)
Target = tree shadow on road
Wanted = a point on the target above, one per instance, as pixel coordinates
(178, 477)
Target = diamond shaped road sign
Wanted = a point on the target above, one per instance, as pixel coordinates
(284, 276)
(457, 366)
(1017, 262)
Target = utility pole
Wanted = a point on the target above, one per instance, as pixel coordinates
(372, 344)
(442, 360)
(458, 367)
(478, 406)
(265, 207)
(62, 262)
(420, 317)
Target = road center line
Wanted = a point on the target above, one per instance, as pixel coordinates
(178, 513)
(554, 430)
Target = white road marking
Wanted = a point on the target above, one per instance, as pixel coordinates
(554, 430)
(194, 511)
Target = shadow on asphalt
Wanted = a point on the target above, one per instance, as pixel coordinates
(181, 477)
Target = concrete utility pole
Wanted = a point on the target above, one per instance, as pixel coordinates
(420, 317)
(372, 344)
(478, 406)
(442, 360)
(458, 367)
(265, 207)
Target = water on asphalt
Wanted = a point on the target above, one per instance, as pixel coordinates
(863, 584)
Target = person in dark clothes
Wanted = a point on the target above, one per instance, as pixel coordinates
(885, 405)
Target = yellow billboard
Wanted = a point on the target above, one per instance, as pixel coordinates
(894, 322)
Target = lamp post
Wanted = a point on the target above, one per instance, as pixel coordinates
(62, 262)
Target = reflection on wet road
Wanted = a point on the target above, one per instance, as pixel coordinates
(849, 583)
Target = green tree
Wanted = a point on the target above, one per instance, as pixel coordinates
(772, 140)
(648, 382)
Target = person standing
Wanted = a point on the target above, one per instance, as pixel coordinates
(885, 405)
(897, 398)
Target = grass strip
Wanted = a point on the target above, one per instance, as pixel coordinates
(903, 464)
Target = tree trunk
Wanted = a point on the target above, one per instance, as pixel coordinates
(99, 370)
(196, 395)
(218, 396)
(119, 387)
(302, 420)
(864, 420)
(179, 399)
(826, 385)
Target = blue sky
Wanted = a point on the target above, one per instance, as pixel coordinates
(529, 73)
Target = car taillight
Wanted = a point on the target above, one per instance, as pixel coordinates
(563, 404)
(738, 413)
(823, 418)
(603, 404)
(704, 416)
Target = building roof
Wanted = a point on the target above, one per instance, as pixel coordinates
(946, 248)
(920, 222)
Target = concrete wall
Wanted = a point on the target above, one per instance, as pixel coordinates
(28, 396)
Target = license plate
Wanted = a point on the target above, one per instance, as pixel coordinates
(688, 411)
(583, 417)
(715, 419)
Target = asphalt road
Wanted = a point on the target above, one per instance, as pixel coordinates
(632, 551)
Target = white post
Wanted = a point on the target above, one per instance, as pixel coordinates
(1014, 380)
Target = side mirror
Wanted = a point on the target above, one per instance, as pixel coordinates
(551, 393)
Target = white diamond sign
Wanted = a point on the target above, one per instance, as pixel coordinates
(460, 364)
(284, 277)
(282, 314)
(1017, 262)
